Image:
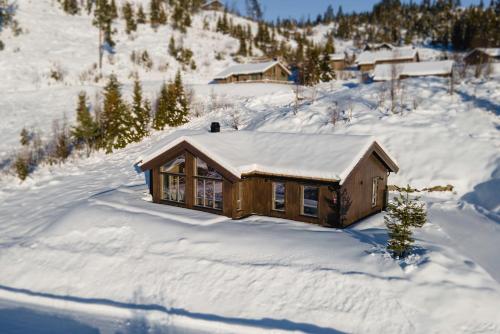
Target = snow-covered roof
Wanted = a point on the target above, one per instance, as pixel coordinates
(315, 156)
(372, 57)
(337, 56)
(250, 68)
(492, 52)
(383, 71)
(212, 2)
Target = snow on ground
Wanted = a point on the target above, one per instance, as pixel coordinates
(84, 235)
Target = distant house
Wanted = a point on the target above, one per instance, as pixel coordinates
(482, 56)
(271, 71)
(213, 5)
(367, 60)
(337, 61)
(330, 180)
(385, 72)
(378, 47)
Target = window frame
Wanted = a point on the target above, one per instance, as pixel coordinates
(375, 182)
(273, 198)
(239, 201)
(302, 201)
(174, 176)
(207, 179)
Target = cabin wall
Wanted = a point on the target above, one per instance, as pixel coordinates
(258, 199)
(356, 191)
(337, 65)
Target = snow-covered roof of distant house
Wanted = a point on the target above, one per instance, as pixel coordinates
(379, 45)
(372, 57)
(315, 156)
(211, 2)
(383, 72)
(492, 52)
(250, 68)
(337, 56)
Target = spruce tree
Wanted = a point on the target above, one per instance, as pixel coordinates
(327, 73)
(403, 214)
(181, 107)
(116, 117)
(141, 17)
(113, 10)
(128, 15)
(86, 129)
(163, 108)
(140, 113)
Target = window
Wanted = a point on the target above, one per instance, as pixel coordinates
(174, 180)
(239, 202)
(374, 191)
(278, 196)
(310, 197)
(208, 184)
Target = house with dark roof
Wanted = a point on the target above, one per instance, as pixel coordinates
(329, 180)
(270, 71)
(482, 56)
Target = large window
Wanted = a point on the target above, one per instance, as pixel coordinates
(208, 184)
(174, 180)
(278, 196)
(310, 197)
(374, 191)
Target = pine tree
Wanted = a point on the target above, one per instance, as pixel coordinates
(113, 10)
(181, 108)
(242, 51)
(71, 7)
(141, 17)
(116, 117)
(403, 214)
(25, 137)
(330, 44)
(163, 108)
(172, 49)
(86, 129)
(103, 20)
(140, 113)
(128, 15)
(327, 73)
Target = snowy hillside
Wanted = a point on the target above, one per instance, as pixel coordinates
(85, 237)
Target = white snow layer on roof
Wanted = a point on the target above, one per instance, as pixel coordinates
(319, 156)
(492, 52)
(337, 56)
(249, 68)
(371, 57)
(383, 71)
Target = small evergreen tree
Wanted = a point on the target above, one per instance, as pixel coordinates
(113, 10)
(116, 118)
(86, 129)
(163, 107)
(128, 15)
(181, 107)
(25, 137)
(21, 165)
(327, 73)
(141, 16)
(403, 214)
(140, 113)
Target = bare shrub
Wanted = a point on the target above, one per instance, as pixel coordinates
(56, 72)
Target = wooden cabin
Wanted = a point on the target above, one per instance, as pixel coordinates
(378, 47)
(270, 71)
(367, 60)
(329, 180)
(213, 5)
(387, 72)
(338, 61)
(482, 56)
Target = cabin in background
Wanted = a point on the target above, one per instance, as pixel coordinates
(329, 180)
(213, 5)
(271, 71)
(482, 56)
(367, 60)
(378, 47)
(338, 61)
(386, 72)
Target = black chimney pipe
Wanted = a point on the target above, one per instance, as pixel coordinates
(215, 127)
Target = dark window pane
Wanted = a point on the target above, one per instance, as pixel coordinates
(278, 196)
(202, 169)
(310, 201)
(176, 166)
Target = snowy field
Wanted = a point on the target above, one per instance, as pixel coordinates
(84, 240)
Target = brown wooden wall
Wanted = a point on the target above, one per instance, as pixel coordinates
(357, 189)
(275, 73)
(337, 65)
